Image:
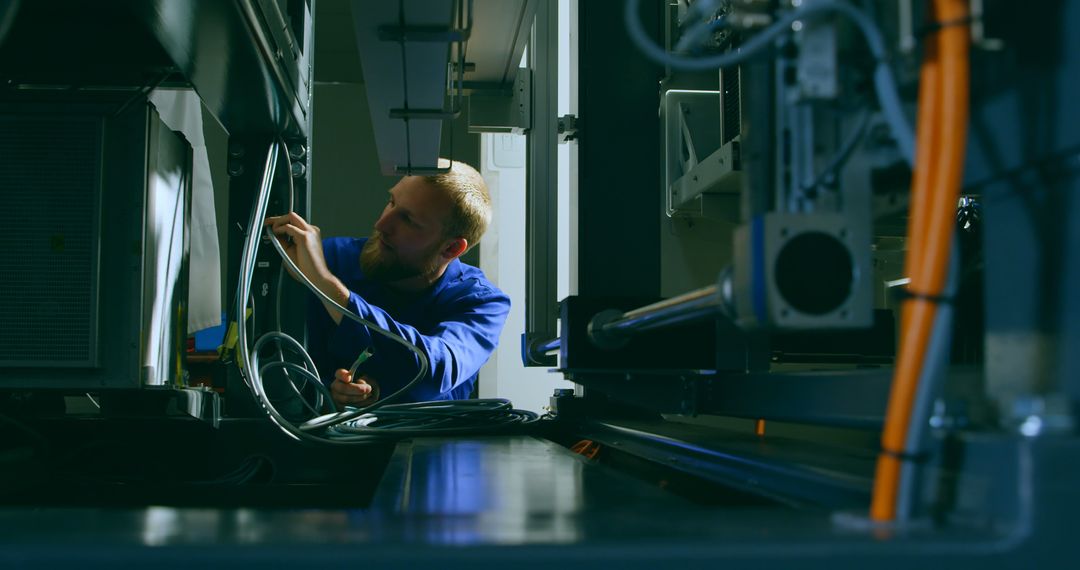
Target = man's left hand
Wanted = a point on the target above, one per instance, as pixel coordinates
(349, 391)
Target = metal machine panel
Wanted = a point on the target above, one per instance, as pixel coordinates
(165, 253)
(695, 160)
(94, 291)
(48, 297)
(802, 272)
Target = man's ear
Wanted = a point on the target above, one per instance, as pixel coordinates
(455, 248)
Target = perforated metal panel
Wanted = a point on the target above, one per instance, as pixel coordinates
(50, 181)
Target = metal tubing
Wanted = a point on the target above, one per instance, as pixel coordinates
(541, 209)
(688, 306)
(548, 346)
(247, 258)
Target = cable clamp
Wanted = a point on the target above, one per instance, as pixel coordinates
(905, 294)
(917, 457)
(935, 27)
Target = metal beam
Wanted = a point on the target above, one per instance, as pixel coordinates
(541, 224)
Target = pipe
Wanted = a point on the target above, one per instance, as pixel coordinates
(610, 329)
(547, 347)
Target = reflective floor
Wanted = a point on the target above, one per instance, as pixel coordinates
(530, 495)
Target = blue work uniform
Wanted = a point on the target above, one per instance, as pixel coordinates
(456, 323)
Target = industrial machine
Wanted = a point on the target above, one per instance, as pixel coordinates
(821, 311)
(124, 178)
(836, 257)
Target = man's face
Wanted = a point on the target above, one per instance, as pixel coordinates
(408, 238)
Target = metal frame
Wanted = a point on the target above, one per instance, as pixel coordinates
(541, 213)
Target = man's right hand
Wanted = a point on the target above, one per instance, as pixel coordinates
(302, 242)
(349, 391)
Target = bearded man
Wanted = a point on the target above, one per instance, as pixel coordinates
(407, 278)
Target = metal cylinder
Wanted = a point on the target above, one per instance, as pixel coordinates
(548, 346)
(611, 329)
(537, 351)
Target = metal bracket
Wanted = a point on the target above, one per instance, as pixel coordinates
(534, 353)
(569, 128)
(425, 114)
(420, 170)
(432, 34)
(200, 403)
(505, 109)
(909, 35)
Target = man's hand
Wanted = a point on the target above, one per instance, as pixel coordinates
(347, 391)
(302, 242)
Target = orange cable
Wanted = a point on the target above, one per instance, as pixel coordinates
(886, 480)
(942, 132)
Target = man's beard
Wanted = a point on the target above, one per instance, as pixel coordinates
(382, 265)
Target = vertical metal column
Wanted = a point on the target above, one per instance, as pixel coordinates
(1024, 169)
(541, 210)
(619, 167)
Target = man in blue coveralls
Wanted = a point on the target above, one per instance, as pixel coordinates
(407, 278)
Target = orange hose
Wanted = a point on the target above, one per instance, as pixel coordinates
(942, 134)
(926, 148)
(886, 481)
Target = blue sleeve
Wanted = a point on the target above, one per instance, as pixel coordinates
(319, 325)
(456, 348)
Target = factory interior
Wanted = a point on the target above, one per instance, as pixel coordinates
(788, 283)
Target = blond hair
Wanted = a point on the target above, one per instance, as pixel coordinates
(470, 211)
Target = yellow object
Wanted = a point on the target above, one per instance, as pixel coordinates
(232, 335)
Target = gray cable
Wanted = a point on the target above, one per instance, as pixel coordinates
(827, 176)
(281, 279)
(308, 371)
(373, 327)
(931, 379)
(348, 313)
(471, 416)
(317, 407)
(884, 83)
(698, 33)
(249, 361)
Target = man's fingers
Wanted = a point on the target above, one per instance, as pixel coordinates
(295, 219)
(342, 375)
(343, 393)
(291, 231)
(290, 219)
(358, 388)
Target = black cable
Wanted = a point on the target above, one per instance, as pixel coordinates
(449, 417)
(1058, 163)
